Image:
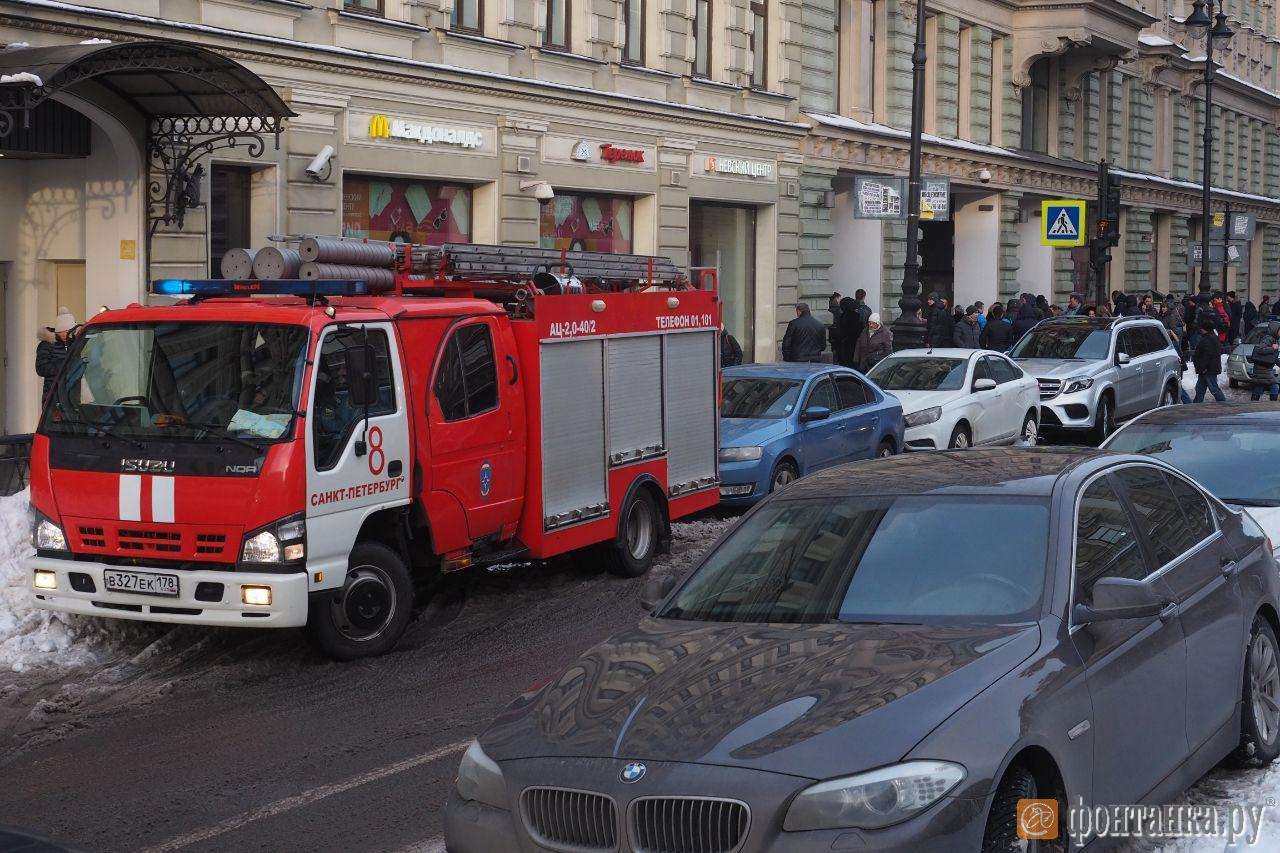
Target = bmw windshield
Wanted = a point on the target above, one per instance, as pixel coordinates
(1235, 462)
(1084, 343)
(870, 559)
(180, 380)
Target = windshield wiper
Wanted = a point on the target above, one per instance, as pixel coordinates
(1255, 502)
(101, 430)
(226, 433)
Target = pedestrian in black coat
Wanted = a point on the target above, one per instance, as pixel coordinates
(1208, 363)
(968, 334)
(730, 349)
(998, 335)
(1026, 318)
(1250, 317)
(51, 352)
(1235, 313)
(848, 330)
(805, 338)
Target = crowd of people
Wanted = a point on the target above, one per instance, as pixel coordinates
(1200, 327)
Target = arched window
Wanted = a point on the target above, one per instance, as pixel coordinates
(1035, 109)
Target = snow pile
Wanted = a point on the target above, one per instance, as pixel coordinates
(37, 638)
(22, 77)
(1226, 789)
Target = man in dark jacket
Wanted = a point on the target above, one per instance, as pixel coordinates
(51, 352)
(968, 333)
(850, 325)
(942, 326)
(1249, 318)
(998, 335)
(730, 349)
(1235, 313)
(1027, 317)
(1208, 363)
(1264, 357)
(805, 338)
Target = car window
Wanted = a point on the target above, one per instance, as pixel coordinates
(334, 417)
(1087, 343)
(467, 384)
(823, 394)
(1129, 343)
(1195, 507)
(749, 397)
(1159, 515)
(1157, 339)
(852, 392)
(1001, 370)
(1105, 542)
(1215, 455)
(916, 373)
(982, 371)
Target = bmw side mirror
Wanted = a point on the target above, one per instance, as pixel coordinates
(655, 591)
(1123, 358)
(815, 413)
(1119, 598)
(984, 384)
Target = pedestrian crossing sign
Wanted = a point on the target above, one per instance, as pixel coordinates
(1062, 223)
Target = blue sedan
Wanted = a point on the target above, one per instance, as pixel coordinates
(782, 421)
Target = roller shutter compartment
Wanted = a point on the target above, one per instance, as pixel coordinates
(635, 398)
(690, 394)
(574, 482)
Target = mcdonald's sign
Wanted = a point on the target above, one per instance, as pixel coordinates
(379, 127)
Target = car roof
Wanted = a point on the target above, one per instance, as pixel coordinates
(1230, 412)
(940, 352)
(1023, 471)
(782, 370)
(1097, 322)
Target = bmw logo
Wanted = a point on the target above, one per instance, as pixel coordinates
(633, 772)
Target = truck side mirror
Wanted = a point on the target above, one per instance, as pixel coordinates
(361, 389)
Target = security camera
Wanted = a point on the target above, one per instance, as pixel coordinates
(542, 190)
(319, 167)
(984, 176)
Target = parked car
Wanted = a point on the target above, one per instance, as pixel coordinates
(1095, 370)
(1239, 368)
(960, 397)
(1232, 449)
(779, 422)
(837, 674)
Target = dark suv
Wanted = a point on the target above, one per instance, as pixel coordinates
(1095, 370)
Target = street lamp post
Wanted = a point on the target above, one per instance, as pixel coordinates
(1214, 28)
(908, 329)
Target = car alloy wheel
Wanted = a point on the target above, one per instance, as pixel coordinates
(886, 450)
(1031, 430)
(1166, 398)
(1264, 682)
(783, 476)
(960, 439)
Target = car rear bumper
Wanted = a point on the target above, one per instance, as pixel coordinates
(88, 596)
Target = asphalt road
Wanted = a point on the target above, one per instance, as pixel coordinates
(225, 740)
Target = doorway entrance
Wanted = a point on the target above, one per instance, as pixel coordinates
(723, 236)
(937, 259)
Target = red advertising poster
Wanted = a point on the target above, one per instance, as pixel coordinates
(587, 223)
(404, 210)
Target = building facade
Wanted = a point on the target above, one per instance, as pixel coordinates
(662, 126)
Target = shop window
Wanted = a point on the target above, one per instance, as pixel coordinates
(556, 33)
(633, 16)
(759, 45)
(468, 15)
(467, 383)
(702, 38)
(366, 7)
(580, 222)
(1035, 109)
(723, 237)
(333, 418)
(229, 212)
(404, 210)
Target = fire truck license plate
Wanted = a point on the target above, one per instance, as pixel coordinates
(143, 582)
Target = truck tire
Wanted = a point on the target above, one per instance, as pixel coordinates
(367, 615)
(639, 534)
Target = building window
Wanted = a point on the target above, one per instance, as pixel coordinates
(723, 237)
(633, 18)
(702, 38)
(1035, 109)
(229, 206)
(556, 33)
(366, 7)
(759, 45)
(581, 222)
(468, 15)
(405, 210)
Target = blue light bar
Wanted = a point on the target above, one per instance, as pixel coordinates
(266, 287)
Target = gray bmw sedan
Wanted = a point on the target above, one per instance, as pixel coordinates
(889, 655)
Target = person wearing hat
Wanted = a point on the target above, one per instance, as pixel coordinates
(968, 334)
(875, 343)
(51, 352)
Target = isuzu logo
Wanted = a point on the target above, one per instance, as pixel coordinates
(147, 466)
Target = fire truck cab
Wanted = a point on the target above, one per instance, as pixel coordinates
(290, 453)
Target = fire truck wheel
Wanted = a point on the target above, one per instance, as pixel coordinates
(639, 534)
(367, 615)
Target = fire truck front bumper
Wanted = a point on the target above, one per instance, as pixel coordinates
(222, 598)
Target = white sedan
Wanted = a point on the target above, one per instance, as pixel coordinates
(960, 397)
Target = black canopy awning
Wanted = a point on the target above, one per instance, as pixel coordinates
(160, 79)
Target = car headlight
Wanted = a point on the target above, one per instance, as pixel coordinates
(1076, 383)
(740, 454)
(480, 778)
(46, 535)
(875, 799)
(922, 417)
(283, 541)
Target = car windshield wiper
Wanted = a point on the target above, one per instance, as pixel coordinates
(99, 428)
(226, 433)
(1254, 502)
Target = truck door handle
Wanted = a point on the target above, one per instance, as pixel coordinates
(394, 467)
(515, 372)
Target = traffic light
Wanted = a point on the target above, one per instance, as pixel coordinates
(1100, 252)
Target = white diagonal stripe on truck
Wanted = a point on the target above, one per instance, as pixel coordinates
(131, 497)
(306, 798)
(162, 499)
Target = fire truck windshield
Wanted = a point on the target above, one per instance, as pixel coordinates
(181, 380)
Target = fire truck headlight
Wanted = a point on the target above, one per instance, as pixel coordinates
(49, 536)
(45, 579)
(262, 548)
(256, 595)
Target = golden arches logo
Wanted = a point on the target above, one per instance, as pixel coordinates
(379, 127)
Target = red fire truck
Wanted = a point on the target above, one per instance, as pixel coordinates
(277, 453)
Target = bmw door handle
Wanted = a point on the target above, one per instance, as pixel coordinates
(1228, 566)
(1170, 611)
